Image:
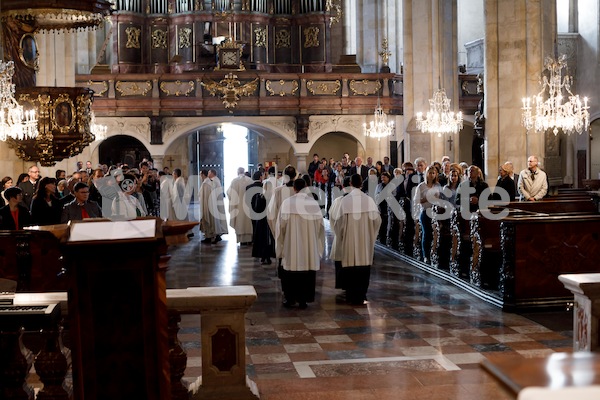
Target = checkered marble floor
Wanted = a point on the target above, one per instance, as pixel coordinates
(417, 336)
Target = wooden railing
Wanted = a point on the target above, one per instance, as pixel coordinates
(185, 93)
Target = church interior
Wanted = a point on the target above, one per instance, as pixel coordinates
(195, 85)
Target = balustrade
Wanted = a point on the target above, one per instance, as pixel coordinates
(511, 260)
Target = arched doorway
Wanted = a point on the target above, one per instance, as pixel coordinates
(122, 149)
(334, 145)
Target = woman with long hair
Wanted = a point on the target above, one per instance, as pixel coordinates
(45, 207)
(450, 189)
(426, 192)
(475, 181)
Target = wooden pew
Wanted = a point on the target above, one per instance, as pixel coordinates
(460, 251)
(34, 259)
(591, 184)
(559, 206)
(535, 251)
(442, 239)
(486, 258)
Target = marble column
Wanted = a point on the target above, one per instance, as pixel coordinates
(301, 162)
(157, 161)
(430, 63)
(518, 35)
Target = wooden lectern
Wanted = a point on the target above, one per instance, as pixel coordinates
(117, 310)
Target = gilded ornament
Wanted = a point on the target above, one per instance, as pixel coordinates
(364, 87)
(133, 37)
(230, 89)
(99, 87)
(184, 38)
(181, 88)
(334, 6)
(385, 52)
(133, 88)
(282, 87)
(283, 39)
(159, 39)
(260, 36)
(311, 37)
(323, 87)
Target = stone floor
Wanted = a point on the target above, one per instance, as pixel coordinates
(417, 338)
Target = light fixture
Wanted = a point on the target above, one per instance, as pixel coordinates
(440, 119)
(380, 126)
(98, 130)
(541, 115)
(15, 123)
(58, 16)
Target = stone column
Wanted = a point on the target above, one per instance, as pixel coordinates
(157, 161)
(518, 35)
(430, 63)
(301, 162)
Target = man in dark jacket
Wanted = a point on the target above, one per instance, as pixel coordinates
(80, 208)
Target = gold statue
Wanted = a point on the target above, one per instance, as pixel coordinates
(385, 53)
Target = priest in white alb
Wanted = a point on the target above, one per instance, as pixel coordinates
(207, 205)
(239, 213)
(356, 226)
(219, 213)
(300, 242)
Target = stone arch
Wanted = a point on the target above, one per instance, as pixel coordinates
(122, 149)
(321, 125)
(175, 128)
(342, 139)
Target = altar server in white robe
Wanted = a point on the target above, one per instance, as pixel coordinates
(300, 242)
(207, 205)
(279, 194)
(336, 255)
(219, 215)
(239, 215)
(356, 229)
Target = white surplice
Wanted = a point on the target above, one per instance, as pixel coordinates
(220, 217)
(207, 205)
(356, 226)
(300, 233)
(239, 216)
(279, 194)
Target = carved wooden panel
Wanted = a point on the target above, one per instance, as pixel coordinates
(312, 43)
(159, 44)
(130, 41)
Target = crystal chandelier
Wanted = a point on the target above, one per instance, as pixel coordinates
(440, 119)
(380, 126)
(15, 123)
(552, 113)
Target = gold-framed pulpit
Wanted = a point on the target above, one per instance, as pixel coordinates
(117, 310)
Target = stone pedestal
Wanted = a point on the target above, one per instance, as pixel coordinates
(586, 312)
(222, 311)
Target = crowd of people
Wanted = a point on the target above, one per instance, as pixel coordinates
(281, 215)
(118, 192)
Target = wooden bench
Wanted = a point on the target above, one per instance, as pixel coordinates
(535, 251)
